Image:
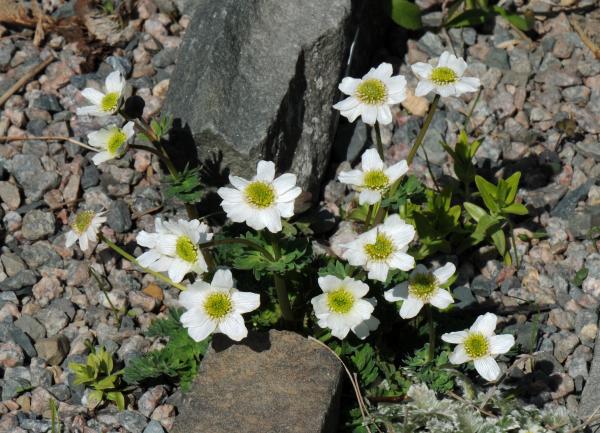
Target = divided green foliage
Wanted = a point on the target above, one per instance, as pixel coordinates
(463, 154)
(98, 375)
(178, 360)
(580, 276)
(185, 185)
(433, 374)
(410, 189)
(337, 269)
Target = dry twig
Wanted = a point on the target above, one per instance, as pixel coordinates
(585, 39)
(25, 79)
(48, 138)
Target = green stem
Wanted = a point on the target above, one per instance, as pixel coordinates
(431, 333)
(472, 109)
(133, 260)
(514, 242)
(246, 242)
(369, 214)
(379, 142)
(280, 286)
(423, 130)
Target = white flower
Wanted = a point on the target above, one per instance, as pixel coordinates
(104, 104)
(84, 228)
(262, 201)
(381, 248)
(423, 287)
(480, 345)
(216, 307)
(446, 79)
(374, 178)
(112, 141)
(341, 307)
(174, 248)
(371, 96)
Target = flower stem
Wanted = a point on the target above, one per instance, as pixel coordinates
(379, 142)
(280, 286)
(246, 242)
(514, 242)
(431, 333)
(368, 217)
(133, 260)
(423, 130)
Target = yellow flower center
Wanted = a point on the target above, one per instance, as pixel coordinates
(371, 91)
(340, 301)
(477, 345)
(260, 194)
(376, 179)
(82, 221)
(116, 140)
(442, 76)
(110, 102)
(422, 286)
(218, 305)
(186, 250)
(381, 250)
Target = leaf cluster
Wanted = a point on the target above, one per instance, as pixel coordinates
(185, 185)
(178, 360)
(97, 374)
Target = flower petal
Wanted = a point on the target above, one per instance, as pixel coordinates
(397, 170)
(397, 293)
(245, 301)
(456, 337)
(192, 298)
(459, 355)
(284, 183)
(369, 114)
(371, 160)
(424, 87)
(349, 85)
(271, 219)
(234, 327)
(441, 299)
(265, 171)
(422, 70)
(488, 368)
(92, 95)
(347, 104)
(378, 271)
(485, 324)
(178, 270)
(201, 331)
(369, 196)
(384, 115)
(114, 82)
(352, 177)
(500, 344)
(101, 157)
(444, 273)
(402, 261)
(383, 72)
(411, 307)
(223, 279)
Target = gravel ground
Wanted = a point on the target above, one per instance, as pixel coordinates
(49, 305)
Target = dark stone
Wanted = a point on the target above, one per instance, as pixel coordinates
(567, 205)
(121, 64)
(31, 327)
(48, 103)
(28, 171)
(25, 278)
(119, 216)
(41, 254)
(252, 87)
(36, 126)
(275, 382)
(590, 397)
(164, 58)
(8, 332)
(91, 177)
(133, 422)
(582, 223)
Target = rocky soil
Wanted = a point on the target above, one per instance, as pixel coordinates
(539, 112)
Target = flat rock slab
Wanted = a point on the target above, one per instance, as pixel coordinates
(590, 397)
(276, 382)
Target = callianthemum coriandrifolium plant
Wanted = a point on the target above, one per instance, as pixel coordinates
(97, 374)
(386, 280)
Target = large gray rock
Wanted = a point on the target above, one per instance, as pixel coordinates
(590, 397)
(278, 382)
(256, 79)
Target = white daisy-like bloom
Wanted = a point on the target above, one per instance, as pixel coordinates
(85, 228)
(382, 248)
(342, 308)
(446, 79)
(262, 201)
(111, 142)
(174, 248)
(480, 345)
(104, 104)
(374, 178)
(423, 287)
(216, 307)
(372, 95)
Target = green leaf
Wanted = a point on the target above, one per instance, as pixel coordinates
(580, 276)
(500, 241)
(406, 14)
(522, 22)
(516, 209)
(474, 211)
(118, 398)
(488, 193)
(513, 184)
(468, 18)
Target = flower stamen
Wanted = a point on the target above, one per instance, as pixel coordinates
(381, 250)
(83, 221)
(376, 179)
(259, 194)
(371, 91)
(340, 301)
(443, 75)
(477, 345)
(110, 102)
(422, 286)
(115, 141)
(186, 250)
(218, 305)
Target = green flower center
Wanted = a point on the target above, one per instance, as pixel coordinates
(110, 102)
(477, 345)
(376, 179)
(186, 250)
(115, 141)
(422, 286)
(218, 305)
(371, 91)
(382, 249)
(340, 301)
(443, 76)
(83, 221)
(260, 194)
